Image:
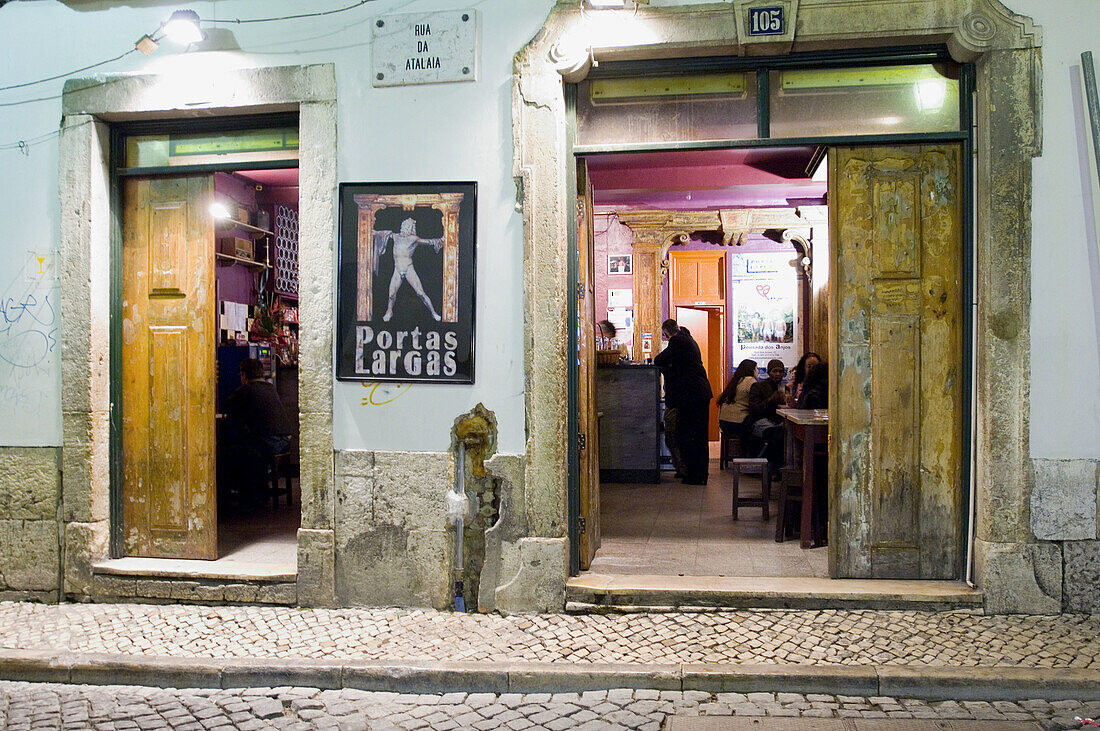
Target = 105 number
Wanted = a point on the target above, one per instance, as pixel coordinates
(765, 21)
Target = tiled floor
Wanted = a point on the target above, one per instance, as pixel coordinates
(264, 535)
(676, 529)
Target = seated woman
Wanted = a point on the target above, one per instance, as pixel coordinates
(733, 403)
(798, 379)
(762, 430)
(815, 391)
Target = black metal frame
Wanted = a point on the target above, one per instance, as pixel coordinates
(762, 65)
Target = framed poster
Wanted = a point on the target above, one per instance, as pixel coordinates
(620, 264)
(405, 289)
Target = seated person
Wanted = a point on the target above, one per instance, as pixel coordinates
(815, 390)
(798, 377)
(733, 403)
(762, 430)
(257, 428)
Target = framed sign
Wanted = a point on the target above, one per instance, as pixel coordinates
(405, 294)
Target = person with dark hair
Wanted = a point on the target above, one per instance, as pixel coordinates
(799, 376)
(815, 392)
(763, 427)
(733, 403)
(257, 427)
(687, 390)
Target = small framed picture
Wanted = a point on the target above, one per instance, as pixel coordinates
(620, 264)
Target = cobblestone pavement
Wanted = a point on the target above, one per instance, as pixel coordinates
(44, 706)
(816, 637)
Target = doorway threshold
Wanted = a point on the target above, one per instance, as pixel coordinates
(593, 592)
(222, 570)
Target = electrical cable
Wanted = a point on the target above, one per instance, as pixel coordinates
(70, 73)
(290, 17)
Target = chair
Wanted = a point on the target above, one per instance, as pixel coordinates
(751, 466)
(283, 466)
(729, 448)
(790, 504)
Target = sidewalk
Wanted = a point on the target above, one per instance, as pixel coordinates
(952, 655)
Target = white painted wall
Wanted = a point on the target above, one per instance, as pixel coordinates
(462, 131)
(458, 131)
(1065, 273)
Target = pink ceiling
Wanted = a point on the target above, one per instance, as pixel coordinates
(281, 178)
(702, 179)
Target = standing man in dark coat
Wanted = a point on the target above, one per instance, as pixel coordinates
(688, 391)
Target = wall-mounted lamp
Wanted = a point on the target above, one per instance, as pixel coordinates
(219, 210)
(182, 27)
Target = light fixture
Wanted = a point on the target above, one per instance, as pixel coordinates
(182, 27)
(219, 210)
(931, 94)
(146, 45)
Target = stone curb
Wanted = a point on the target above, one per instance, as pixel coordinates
(894, 681)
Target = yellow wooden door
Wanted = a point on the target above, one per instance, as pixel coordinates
(896, 488)
(698, 277)
(587, 417)
(169, 506)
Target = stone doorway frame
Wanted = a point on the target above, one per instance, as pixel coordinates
(89, 107)
(1013, 570)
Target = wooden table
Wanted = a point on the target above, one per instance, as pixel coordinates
(808, 427)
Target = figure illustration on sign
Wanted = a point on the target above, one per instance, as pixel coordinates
(404, 243)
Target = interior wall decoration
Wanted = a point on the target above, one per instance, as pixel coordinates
(286, 250)
(405, 303)
(765, 298)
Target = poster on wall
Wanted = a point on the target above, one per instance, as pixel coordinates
(405, 295)
(765, 297)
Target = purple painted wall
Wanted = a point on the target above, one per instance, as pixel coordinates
(612, 237)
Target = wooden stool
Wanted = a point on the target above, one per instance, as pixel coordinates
(790, 503)
(729, 448)
(752, 466)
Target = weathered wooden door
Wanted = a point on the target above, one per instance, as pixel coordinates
(587, 419)
(169, 506)
(896, 415)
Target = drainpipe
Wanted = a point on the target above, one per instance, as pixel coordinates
(972, 527)
(458, 508)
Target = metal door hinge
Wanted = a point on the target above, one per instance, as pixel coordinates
(582, 525)
(580, 290)
(582, 442)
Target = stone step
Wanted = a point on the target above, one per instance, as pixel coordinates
(770, 723)
(644, 592)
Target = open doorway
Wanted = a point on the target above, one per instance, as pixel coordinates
(207, 382)
(259, 497)
(745, 290)
(872, 469)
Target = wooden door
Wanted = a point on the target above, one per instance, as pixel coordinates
(706, 328)
(587, 421)
(896, 412)
(697, 278)
(169, 506)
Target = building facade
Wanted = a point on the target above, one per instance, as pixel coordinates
(377, 459)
